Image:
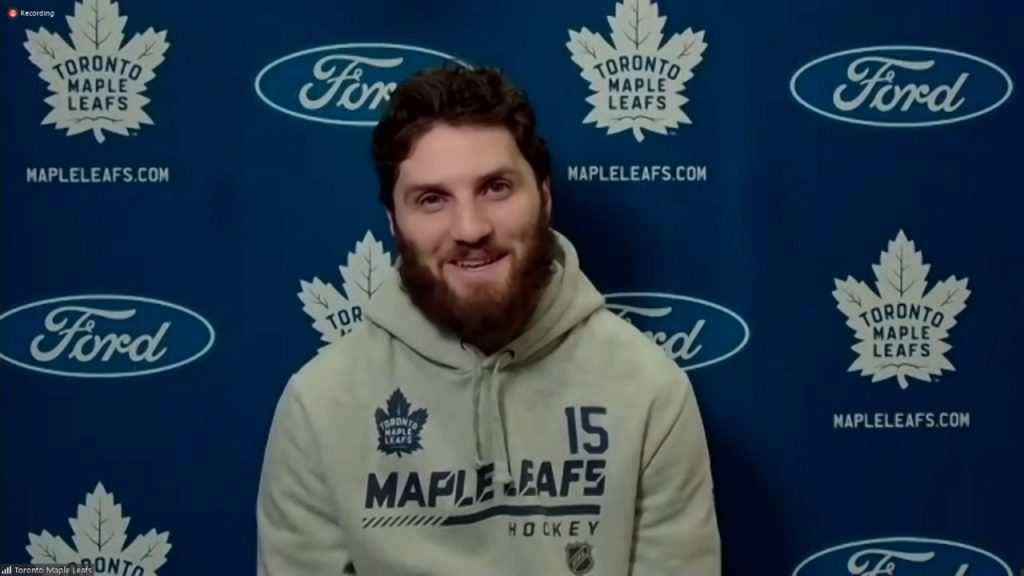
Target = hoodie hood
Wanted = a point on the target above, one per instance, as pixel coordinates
(569, 299)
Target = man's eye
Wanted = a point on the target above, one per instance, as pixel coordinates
(500, 186)
(430, 199)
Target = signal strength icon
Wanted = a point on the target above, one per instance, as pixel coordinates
(7, 570)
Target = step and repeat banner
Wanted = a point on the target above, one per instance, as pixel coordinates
(814, 208)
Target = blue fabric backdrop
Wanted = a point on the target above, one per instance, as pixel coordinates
(813, 206)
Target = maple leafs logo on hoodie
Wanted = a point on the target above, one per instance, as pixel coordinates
(637, 80)
(398, 428)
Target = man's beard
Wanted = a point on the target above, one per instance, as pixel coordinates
(489, 316)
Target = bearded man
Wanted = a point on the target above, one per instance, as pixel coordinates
(489, 416)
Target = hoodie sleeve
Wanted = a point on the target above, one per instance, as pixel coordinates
(297, 532)
(676, 526)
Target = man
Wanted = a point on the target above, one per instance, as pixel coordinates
(489, 416)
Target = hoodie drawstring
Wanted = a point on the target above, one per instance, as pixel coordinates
(476, 416)
(499, 437)
(498, 449)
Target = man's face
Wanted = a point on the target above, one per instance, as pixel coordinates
(473, 231)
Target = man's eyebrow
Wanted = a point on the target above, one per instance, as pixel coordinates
(506, 171)
(500, 172)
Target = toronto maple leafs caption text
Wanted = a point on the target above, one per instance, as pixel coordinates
(48, 569)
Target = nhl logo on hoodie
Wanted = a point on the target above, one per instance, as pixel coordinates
(579, 556)
(399, 427)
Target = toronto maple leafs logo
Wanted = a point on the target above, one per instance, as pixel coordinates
(335, 315)
(901, 329)
(399, 427)
(97, 83)
(99, 537)
(637, 81)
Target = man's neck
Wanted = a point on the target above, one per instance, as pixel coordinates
(495, 340)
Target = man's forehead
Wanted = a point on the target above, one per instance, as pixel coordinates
(447, 153)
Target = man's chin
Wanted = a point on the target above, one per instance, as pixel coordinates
(479, 298)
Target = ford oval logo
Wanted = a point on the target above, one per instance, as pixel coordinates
(693, 332)
(103, 336)
(346, 84)
(903, 557)
(901, 86)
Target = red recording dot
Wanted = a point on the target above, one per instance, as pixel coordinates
(13, 13)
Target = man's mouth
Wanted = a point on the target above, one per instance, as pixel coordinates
(474, 263)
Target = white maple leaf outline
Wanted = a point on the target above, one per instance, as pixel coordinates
(901, 277)
(630, 36)
(92, 537)
(362, 277)
(102, 18)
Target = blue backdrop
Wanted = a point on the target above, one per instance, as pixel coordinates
(814, 207)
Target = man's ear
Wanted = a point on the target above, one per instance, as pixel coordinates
(545, 190)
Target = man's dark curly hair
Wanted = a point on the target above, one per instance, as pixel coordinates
(456, 96)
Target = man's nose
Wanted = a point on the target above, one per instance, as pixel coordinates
(471, 224)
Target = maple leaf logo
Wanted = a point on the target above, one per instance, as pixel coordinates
(97, 83)
(901, 329)
(100, 536)
(398, 429)
(335, 315)
(637, 81)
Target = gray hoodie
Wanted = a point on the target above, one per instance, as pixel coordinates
(576, 449)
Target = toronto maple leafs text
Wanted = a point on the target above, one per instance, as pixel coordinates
(897, 420)
(54, 569)
(636, 173)
(98, 94)
(98, 175)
